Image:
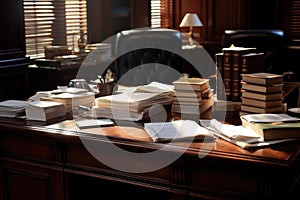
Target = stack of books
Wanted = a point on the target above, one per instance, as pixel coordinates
(262, 93)
(232, 62)
(44, 110)
(192, 96)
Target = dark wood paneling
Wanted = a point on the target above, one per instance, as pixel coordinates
(31, 181)
(46, 78)
(12, 39)
(102, 24)
(13, 79)
(266, 14)
(96, 26)
(216, 16)
(13, 64)
(141, 10)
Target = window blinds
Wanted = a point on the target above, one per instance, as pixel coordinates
(53, 22)
(294, 26)
(155, 13)
(162, 13)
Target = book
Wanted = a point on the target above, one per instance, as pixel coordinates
(187, 94)
(263, 78)
(272, 126)
(231, 70)
(262, 96)
(236, 70)
(261, 104)
(44, 110)
(252, 63)
(44, 62)
(192, 107)
(190, 84)
(276, 88)
(178, 130)
(255, 109)
(178, 99)
(239, 135)
(220, 91)
(227, 73)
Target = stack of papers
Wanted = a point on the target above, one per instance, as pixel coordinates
(12, 108)
(134, 105)
(272, 126)
(72, 100)
(44, 110)
(238, 135)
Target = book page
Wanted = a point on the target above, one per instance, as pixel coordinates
(235, 132)
(179, 129)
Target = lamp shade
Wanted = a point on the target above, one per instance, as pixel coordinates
(190, 19)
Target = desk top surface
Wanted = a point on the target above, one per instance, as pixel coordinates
(284, 154)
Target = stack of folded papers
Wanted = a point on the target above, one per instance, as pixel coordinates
(138, 104)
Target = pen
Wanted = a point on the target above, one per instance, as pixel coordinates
(108, 75)
(101, 79)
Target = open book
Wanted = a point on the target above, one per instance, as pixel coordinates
(239, 135)
(272, 126)
(179, 130)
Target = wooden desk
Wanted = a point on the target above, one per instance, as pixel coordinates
(43, 163)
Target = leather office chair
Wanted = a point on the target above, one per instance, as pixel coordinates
(146, 54)
(270, 42)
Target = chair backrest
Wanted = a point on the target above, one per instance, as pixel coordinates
(152, 49)
(270, 42)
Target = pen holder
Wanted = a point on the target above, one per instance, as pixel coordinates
(105, 88)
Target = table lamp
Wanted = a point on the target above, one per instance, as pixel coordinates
(191, 20)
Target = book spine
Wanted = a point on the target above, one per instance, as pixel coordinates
(227, 73)
(219, 76)
(236, 76)
(236, 72)
(253, 63)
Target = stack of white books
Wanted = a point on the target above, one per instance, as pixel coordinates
(12, 108)
(192, 96)
(44, 110)
(262, 93)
